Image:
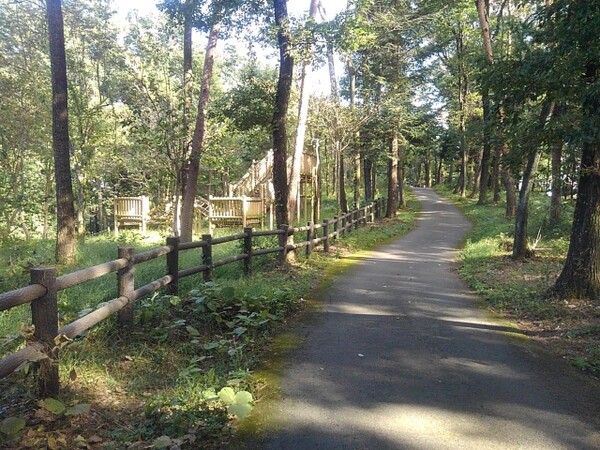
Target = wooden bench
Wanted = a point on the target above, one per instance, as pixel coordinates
(235, 211)
(131, 211)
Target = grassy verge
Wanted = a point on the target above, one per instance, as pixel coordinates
(518, 290)
(186, 372)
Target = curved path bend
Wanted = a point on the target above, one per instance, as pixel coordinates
(402, 357)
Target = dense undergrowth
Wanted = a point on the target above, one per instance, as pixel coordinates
(520, 290)
(183, 375)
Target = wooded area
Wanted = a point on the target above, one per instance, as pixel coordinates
(497, 98)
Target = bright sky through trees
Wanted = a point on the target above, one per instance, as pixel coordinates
(296, 8)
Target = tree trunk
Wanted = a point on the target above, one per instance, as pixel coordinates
(282, 99)
(65, 209)
(356, 141)
(483, 14)
(463, 89)
(342, 198)
(477, 175)
(188, 90)
(557, 184)
(580, 276)
(368, 177)
(401, 197)
(487, 149)
(520, 249)
(305, 82)
(392, 202)
(511, 192)
(187, 208)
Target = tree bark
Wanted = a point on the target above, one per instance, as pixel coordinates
(483, 13)
(188, 89)
(368, 177)
(282, 99)
(305, 81)
(187, 208)
(487, 149)
(580, 276)
(463, 89)
(342, 198)
(65, 209)
(520, 248)
(555, 200)
(392, 201)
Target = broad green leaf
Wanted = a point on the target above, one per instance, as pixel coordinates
(81, 408)
(12, 425)
(227, 395)
(243, 397)
(240, 410)
(54, 406)
(174, 300)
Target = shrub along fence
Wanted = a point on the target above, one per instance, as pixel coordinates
(47, 339)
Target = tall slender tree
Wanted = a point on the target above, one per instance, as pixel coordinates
(282, 100)
(305, 80)
(65, 209)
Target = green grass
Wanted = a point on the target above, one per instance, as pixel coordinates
(160, 377)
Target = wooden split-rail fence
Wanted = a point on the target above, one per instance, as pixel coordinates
(42, 292)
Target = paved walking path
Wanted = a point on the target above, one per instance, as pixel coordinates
(404, 358)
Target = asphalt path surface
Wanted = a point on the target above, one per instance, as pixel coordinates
(403, 357)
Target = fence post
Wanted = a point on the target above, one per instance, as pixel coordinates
(248, 250)
(376, 206)
(207, 256)
(44, 315)
(173, 265)
(336, 222)
(343, 230)
(326, 236)
(126, 287)
(356, 220)
(372, 212)
(283, 243)
(309, 237)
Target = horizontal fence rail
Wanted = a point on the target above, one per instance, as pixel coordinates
(41, 294)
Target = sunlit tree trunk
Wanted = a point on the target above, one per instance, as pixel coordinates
(392, 201)
(305, 82)
(189, 197)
